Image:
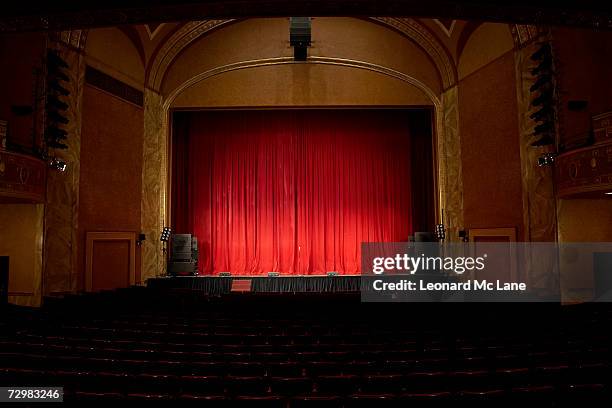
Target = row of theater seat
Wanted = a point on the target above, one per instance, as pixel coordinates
(386, 389)
(271, 351)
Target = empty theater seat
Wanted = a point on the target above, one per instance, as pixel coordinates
(288, 351)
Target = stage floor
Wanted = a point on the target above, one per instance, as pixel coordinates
(217, 285)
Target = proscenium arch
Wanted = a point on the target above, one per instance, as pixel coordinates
(192, 31)
(437, 125)
(435, 100)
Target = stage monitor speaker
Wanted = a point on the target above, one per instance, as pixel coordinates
(4, 280)
(181, 246)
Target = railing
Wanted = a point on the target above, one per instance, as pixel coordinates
(587, 172)
(22, 178)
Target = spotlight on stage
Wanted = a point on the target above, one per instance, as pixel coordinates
(58, 164)
(165, 235)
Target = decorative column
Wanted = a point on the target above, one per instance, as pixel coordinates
(61, 210)
(154, 183)
(449, 163)
(539, 202)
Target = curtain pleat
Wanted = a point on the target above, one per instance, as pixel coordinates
(293, 191)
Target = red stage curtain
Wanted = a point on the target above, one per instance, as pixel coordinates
(293, 191)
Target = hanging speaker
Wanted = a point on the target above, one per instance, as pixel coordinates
(300, 37)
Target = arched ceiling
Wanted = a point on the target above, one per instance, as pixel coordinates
(160, 44)
(443, 40)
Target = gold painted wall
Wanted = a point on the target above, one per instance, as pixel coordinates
(582, 220)
(301, 85)
(111, 51)
(585, 220)
(111, 164)
(154, 184)
(21, 227)
(486, 44)
(342, 38)
(450, 165)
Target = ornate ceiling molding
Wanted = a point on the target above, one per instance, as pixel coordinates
(187, 34)
(74, 38)
(525, 34)
(424, 38)
(446, 30)
(409, 27)
(154, 29)
(435, 99)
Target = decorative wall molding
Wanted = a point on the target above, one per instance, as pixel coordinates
(446, 30)
(311, 60)
(154, 183)
(74, 38)
(409, 27)
(525, 34)
(113, 86)
(22, 177)
(425, 39)
(117, 237)
(180, 40)
(450, 175)
(154, 29)
(585, 172)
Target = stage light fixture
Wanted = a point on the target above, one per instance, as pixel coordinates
(273, 274)
(58, 164)
(332, 273)
(225, 274)
(609, 193)
(165, 235)
(547, 159)
(440, 232)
